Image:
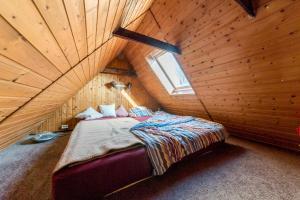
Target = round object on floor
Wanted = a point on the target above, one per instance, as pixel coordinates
(43, 137)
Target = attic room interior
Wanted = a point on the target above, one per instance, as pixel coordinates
(150, 99)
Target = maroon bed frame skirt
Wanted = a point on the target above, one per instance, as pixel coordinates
(97, 178)
(94, 179)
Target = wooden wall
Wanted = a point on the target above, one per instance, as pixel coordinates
(94, 94)
(51, 49)
(245, 70)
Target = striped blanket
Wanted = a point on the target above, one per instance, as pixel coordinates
(169, 138)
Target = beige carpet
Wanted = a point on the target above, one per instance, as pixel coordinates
(242, 170)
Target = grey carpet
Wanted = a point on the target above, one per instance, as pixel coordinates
(241, 170)
(25, 169)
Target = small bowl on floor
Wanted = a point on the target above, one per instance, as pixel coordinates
(43, 137)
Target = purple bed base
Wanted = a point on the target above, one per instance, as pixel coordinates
(94, 179)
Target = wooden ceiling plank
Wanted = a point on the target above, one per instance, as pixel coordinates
(79, 76)
(33, 80)
(12, 71)
(85, 66)
(84, 74)
(22, 121)
(55, 16)
(59, 89)
(113, 49)
(6, 111)
(16, 48)
(124, 13)
(137, 11)
(11, 89)
(108, 50)
(100, 65)
(91, 10)
(7, 102)
(119, 13)
(110, 18)
(76, 15)
(64, 81)
(106, 47)
(145, 7)
(103, 8)
(97, 60)
(9, 70)
(79, 72)
(92, 64)
(128, 5)
(130, 11)
(34, 29)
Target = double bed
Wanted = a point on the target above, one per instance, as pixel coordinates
(96, 172)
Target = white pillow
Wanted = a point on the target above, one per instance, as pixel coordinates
(108, 110)
(89, 113)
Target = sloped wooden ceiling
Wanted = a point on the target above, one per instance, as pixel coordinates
(49, 49)
(245, 70)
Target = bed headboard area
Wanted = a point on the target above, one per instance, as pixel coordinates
(95, 93)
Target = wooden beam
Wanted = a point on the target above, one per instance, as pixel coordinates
(248, 6)
(110, 70)
(137, 37)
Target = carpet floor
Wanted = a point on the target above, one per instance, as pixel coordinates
(241, 170)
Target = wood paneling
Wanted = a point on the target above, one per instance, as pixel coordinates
(56, 18)
(94, 94)
(245, 70)
(28, 21)
(51, 49)
(136, 53)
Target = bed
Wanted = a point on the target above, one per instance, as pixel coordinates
(99, 176)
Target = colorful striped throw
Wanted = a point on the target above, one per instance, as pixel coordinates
(140, 111)
(169, 138)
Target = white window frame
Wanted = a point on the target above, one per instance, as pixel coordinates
(176, 90)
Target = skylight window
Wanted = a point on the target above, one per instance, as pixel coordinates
(169, 72)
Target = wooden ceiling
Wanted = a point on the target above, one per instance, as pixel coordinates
(245, 70)
(49, 49)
